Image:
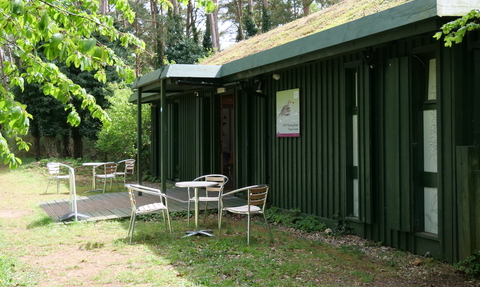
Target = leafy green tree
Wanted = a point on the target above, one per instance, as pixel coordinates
(266, 20)
(180, 48)
(119, 139)
(250, 27)
(49, 118)
(89, 126)
(65, 31)
(207, 37)
(454, 31)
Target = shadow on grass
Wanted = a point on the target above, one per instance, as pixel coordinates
(226, 259)
(43, 221)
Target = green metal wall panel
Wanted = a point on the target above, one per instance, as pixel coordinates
(310, 172)
(397, 139)
(307, 171)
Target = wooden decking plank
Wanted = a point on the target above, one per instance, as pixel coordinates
(86, 205)
(60, 207)
(112, 205)
(119, 212)
(49, 210)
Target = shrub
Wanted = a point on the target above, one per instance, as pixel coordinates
(293, 218)
(342, 227)
(471, 265)
(310, 224)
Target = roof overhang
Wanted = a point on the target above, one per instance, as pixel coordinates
(179, 78)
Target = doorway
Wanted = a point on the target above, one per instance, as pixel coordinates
(227, 138)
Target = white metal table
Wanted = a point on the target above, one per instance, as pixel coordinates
(196, 185)
(93, 165)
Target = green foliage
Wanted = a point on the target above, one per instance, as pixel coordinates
(185, 51)
(454, 31)
(64, 31)
(294, 218)
(310, 224)
(471, 265)
(287, 218)
(342, 227)
(250, 27)
(119, 139)
(266, 20)
(207, 37)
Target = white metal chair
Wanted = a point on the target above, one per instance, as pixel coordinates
(106, 171)
(212, 194)
(161, 205)
(257, 199)
(56, 173)
(129, 168)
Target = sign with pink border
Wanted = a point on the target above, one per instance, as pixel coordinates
(288, 113)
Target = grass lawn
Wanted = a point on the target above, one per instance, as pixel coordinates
(34, 251)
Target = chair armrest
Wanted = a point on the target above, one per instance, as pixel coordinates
(238, 190)
(146, 189)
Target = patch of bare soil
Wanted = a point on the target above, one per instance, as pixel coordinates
(13, 213)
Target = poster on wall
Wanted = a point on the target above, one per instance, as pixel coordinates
(288, 113)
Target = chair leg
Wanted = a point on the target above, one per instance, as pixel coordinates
(188, 212)
(219, 214)
(164, 221)
(270, 234)
(169, 227)
(169, 221)
(118, 185)
(104, 184)
(131, 227)
(248, 230)
(219, 225)
(58, 185)
(205, 214)
(48, 183)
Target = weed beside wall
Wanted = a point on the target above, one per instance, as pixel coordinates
(471, 265)
(294, 218)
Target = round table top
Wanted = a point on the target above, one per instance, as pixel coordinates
(195, 183)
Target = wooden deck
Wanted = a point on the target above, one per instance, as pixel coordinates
(117, 204)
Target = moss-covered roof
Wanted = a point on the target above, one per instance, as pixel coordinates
(343, 12)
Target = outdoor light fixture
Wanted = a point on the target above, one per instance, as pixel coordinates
(221, 90)
(276, 77)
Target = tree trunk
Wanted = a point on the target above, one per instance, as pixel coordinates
(66, 146)
(240, 33)
(51, 147)
(188, 24)
(77, 143)
(176, 9)
(37, 147)
(2, 73)
(306, 7)
(137, 57)
(154, 11)
(103, 7)
(250, 5)
(214, 30)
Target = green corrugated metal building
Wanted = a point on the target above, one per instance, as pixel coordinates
(373, 119)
